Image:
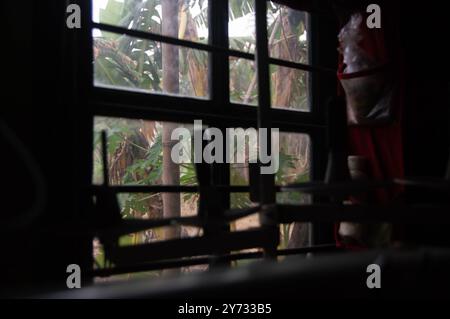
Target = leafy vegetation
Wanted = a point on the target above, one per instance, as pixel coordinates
(135, 147)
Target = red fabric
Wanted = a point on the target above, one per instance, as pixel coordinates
(382, 146)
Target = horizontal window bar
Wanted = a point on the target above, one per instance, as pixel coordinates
(240, 54)
(153, 37)
(178, 248)
(170, 40)
(166, 264)
(129, 226)
(301, 66)
(131, 104)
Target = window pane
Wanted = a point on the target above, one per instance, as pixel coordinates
(295, 166)
(146, 15)
(294, 158)
(289, 88)
(240, 201)
(125, 62)
(295, 235)
(243, 149)
(288, 33)
(239, 175)
(243, 81)
(150, 206)
(135, 153)
(294, 163)
(241, 25)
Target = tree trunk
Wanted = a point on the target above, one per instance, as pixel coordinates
(170, 63)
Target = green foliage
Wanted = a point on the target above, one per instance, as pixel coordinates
(124, 61)
(113, 12)
(286, 162)
(240, 200)
(240, 8)
(149, 169)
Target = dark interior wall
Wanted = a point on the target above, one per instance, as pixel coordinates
(35, 107)
(427, 109)
(427, 117)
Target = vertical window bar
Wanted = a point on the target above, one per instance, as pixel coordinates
(219, 73)
(262, 61)
(220, 95)
(322, 40)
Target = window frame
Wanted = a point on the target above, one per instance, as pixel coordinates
(218, 109)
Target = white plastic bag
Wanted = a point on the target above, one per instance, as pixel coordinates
(367, 83)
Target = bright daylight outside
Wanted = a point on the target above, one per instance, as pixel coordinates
(136, 148)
